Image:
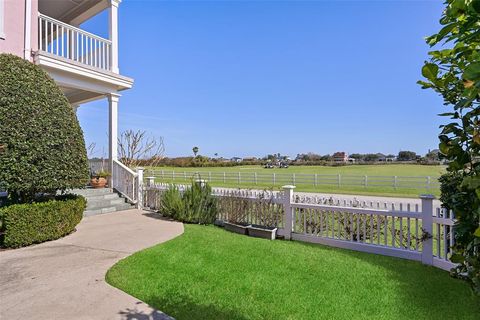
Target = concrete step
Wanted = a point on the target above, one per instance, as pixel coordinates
(118, 207)
(102, 203)
(103, 200)
(91, 192)
(101, 197)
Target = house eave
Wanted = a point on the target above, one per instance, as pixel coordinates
(107, 81)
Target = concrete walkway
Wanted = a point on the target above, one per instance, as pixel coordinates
(65, 278)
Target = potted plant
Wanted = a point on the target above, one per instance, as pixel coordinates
(99, 179)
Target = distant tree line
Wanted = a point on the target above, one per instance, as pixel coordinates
(137, 148)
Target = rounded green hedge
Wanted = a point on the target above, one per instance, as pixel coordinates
(42, 148)
(29, 223)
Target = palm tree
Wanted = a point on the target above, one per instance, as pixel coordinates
(195, 151)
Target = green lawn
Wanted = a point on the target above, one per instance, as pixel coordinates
(379, 170)
(215, 177)
(208, 273)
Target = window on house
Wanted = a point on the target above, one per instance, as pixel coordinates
(2, 19)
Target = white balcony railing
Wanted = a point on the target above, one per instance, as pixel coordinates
(68, 42)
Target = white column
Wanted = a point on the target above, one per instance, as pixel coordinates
(113, 33)
(113, 128)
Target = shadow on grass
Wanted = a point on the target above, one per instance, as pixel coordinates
(135, 314)
(182, 307)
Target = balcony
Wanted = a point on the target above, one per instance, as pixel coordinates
(68, 43)
(84, 65)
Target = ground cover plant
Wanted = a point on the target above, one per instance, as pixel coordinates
(208, 273)
(183, 175)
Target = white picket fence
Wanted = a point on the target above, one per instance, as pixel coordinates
(425, 183)
(416, 231)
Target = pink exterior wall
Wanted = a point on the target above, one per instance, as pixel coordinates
(14, 27)
(34, 34)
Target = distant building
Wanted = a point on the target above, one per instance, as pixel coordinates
(249, 159)
(340, 157)
(236, 159)
(381, 157)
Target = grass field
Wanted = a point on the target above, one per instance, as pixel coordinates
(208, 273)
(352, 185)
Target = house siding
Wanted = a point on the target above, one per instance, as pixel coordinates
(13, 40)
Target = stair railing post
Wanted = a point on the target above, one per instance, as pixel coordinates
(150, 181)
(139, 188)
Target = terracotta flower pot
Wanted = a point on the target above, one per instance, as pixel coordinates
(98, 183)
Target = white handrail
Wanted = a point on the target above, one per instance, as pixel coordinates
(125, 168)
(124, 181)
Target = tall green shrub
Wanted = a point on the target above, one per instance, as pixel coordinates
(195, 205)
(454, 72)
(41, 143)
(171, 204)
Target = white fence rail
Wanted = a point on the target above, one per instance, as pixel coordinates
(422, 232)
(426, 183)
(66, 41)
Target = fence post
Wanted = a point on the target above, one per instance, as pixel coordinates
(274, 179)
(239, 178)
(209, 176)
(428, 184)
(150, 181)
(339, 180)
(293, 179)
(139, 188)
(365, 181)
(427, 228)
(395, 182)
(288, 210)
(256, 180)
(316, 180)
(224, 177)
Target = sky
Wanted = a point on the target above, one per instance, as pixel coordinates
(250, 78)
